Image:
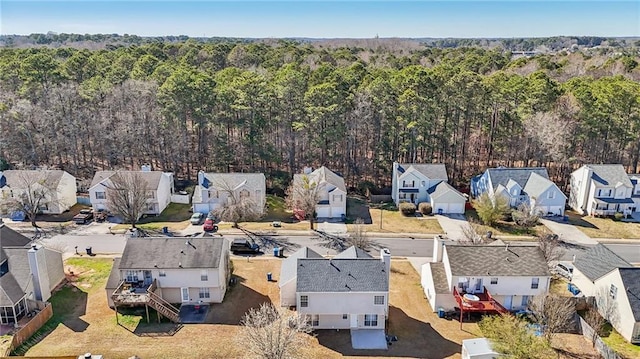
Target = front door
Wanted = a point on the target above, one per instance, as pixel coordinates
(508, 302)
(185, 294)
(354, 320)
(147, 278)
(478, 286)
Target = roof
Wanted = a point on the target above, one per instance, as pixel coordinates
(235, 180)
(114, 277)
(323, 174)
(610, 174)
(172, 252)
(151, 177)
(354, 253)
(631, 280)
(10, 290)
(613, 200)
(14, 178)
(537, 185)
(502, 175)
(342, 275)
(598, 261)
(508, 260)
(439, 277)
(478, 346)
(19, 266)
(430, 170)
(11, 238)
(442, 188)
(289, 266)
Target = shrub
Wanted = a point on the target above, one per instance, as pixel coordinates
(407, 209)
(425, 208)
(618, 216)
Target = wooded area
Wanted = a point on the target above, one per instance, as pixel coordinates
(277, 106)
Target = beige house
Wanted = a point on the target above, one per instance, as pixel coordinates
(58, 188)
(332, 193)
(215, 190)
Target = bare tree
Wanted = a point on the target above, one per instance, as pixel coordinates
(524, 216)
(597, 323)
(127, 196)
(273, 333)
(606, 303)
(358, 235)
(471, 234)
(554, 313)
(550, 246)
(239, 206)
(33, 192)
(303, 195)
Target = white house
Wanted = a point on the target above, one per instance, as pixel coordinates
(332, 193)
(58, 188)
(635, 194)
(27, 272)
(529, 185)
(170, 270)
(617, 296)
(478, 348)
(215, 190)
(602, 190)
(288, 275)
(592, 265)
(507, 274)
(159, 188)
(417, 183)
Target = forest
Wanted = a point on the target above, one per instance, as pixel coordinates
(279, 105)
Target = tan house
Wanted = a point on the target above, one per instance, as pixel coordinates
(58, 188)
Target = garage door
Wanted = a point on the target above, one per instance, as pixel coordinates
(456, 208)
(323, 212)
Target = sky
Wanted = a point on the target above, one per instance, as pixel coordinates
(324, 19)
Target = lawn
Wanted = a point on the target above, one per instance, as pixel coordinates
(597, 227)
(559, 287)
(175, 216)
(621, 346)
(276, 211)
(504, 228)
(392, 220)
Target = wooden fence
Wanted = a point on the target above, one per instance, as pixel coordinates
(601, 346)
(24, 333)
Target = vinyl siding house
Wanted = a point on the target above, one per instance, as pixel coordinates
(417, 183)
(216, 190)
(27, 272)
(60, 188)
(530, 186)
(635, 194)
(508, 274)
(158, 271)
(332, 192)
(159, 189)
(592, 265)
(289, 273)
(602, 190)
(620, 289)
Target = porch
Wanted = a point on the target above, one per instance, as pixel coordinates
(611, 206)
(10, 314)
(477, 302)
(139, 294)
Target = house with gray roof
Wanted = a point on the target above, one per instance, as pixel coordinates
(603, 190)
(217, 190)
(510, 274)
(159, 188)
(418, 183)
(529, 185)
(348, 291)
(593, 264)
(56, 190)
(27, 272)
(635, 193)
(289, 273)
(332, 192)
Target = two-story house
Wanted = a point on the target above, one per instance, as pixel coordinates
(417, 183)
(529, 185)
(348, 291)
(332, 193)
(55, 190)
(216, 190)
(159, 188)
(160, 271)
(601, 190)
(500, 277)
(635, 193)
(27, 272)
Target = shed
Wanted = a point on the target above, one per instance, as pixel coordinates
(478, 348)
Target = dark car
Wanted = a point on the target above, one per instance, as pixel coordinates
(83, 217)
(244, 246)
(209, 226)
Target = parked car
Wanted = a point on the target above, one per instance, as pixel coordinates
(564, 270)
(212, 216)
(209, 226)
(196, 218)
(83, 217)
(244, 246)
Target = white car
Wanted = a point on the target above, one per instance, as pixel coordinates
(564, 270)
(196, 218)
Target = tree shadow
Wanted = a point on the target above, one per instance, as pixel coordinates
(416, 339)
(575, 220)
(270, 241)
(357, 208)
(163, 328)
(237, 301)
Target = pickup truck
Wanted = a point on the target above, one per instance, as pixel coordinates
(83, 217)
(244, 246)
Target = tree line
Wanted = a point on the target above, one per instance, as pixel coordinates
(276, 107)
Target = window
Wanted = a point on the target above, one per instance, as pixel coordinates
(599, 193)
(204, 276)
(132, 276)
(494, 280)
(337, 198)
(378, 300)
(315, 320)
(43, 207)
(151, 194)
(345, 316)
(244, 193)
(213, 193)
(534, 283)
(371, 320)
(304, 301)
(613, 291)
(204, 293)
(551, 195)
(525, 301)
(101, 195)
(162, 273)
(151, 207)
(423, 183)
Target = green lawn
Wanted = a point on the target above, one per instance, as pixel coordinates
(504, 228)
(175, 216)
(621, 346)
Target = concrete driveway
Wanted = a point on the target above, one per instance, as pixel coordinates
(332, 228)
(452, 225)
(568, 233)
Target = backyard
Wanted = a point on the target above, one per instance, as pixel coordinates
(598, 227)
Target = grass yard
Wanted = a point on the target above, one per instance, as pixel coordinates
(504, 228)
(621, 346)
(5, 340)
(559, 287)
(276, 211)
(175, 216)
(392, 220)
(598, 227)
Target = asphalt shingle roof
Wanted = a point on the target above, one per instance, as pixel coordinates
(114, 277)
(631, 280)
(342, 275)
(289, 266)
(501, 176)
(323, 174)
(172, 252)
(485, 260)
(598, 261)
(353, 252)
(151, 177)
(10, 290)
(439, 277)
(233, 180)
(536, 185)
(15, 178)
(441, 189)
(433, 171)
(11, 238)
(610, 174)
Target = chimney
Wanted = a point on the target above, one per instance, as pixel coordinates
(38, 268)
(438, 248)
(307, 170)
(200, 177)
(385, 256)
(146, 168)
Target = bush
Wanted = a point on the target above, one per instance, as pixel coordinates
(425, 208)
(618, 216)
(407, 209)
